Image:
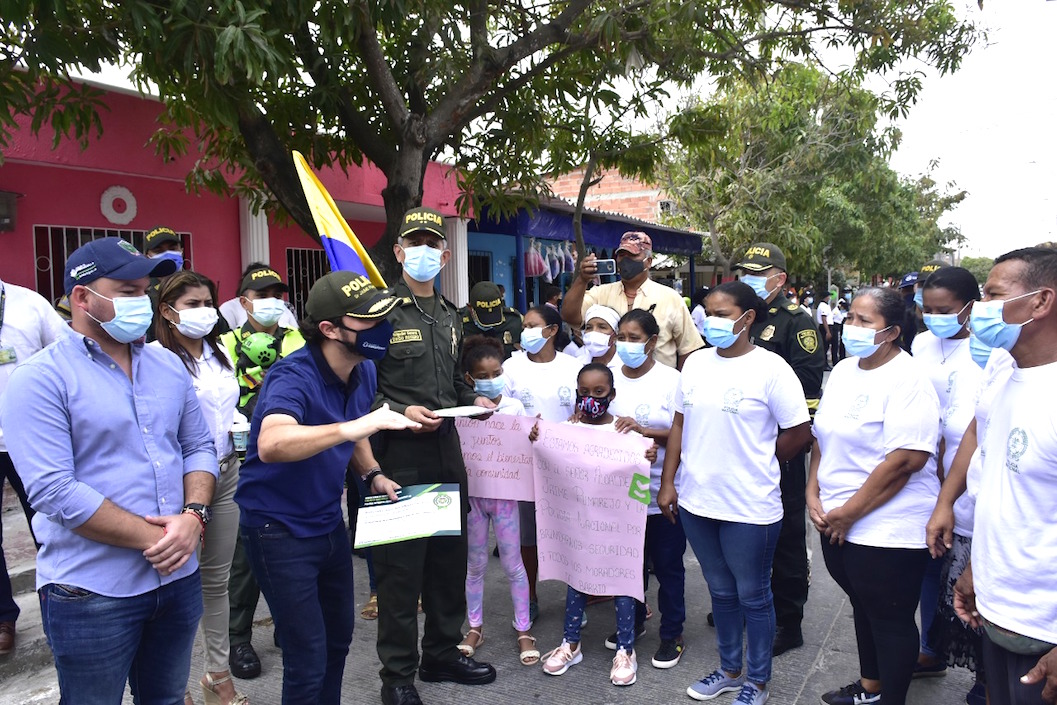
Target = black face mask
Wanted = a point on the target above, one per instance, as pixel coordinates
(629, 268)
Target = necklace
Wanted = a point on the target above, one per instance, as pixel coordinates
(944, 353)
(425, 316)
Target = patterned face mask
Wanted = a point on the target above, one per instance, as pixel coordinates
(592, 407)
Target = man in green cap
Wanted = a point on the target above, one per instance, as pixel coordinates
(485, 315)
(419, 375)
(789, 332)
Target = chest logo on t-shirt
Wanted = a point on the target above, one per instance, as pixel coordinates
(951, 380)
(731, 400)
(642, 415)
(565, 396)
(950, 411)
(1016, 447)
(857, 406)
(525, 395)
(688, 397)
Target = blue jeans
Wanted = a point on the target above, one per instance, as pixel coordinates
(736, 562)
(101, 642)
(665, 547)
(576, 601)
(929, 603)
(308, 585)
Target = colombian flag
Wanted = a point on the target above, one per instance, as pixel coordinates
(341, 244)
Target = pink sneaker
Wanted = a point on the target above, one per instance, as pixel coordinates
(625, 666)
(562, 659)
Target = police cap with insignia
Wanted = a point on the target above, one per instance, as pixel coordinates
(346, 293)
(422, 219)
(486, 304)
(930, 267)
(761, 256)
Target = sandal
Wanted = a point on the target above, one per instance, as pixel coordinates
(468, 650)
(531, 655)
(370, 610)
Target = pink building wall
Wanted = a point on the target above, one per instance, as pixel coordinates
(63, 187)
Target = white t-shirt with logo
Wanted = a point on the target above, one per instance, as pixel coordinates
(823, 310)
(863, 416)
(511, 406)
(650, 401)
(545, 388)
(956, 379)
(996, 374)
(1015, 538)
(732, 409)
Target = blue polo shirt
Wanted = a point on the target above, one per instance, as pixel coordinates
(303, 496)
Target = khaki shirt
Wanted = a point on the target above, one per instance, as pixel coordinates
(678, 334)
(422, 366)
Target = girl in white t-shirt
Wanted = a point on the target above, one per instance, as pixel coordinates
(871, 488)
(482, 359)
(646, 405)
(943, 353)
(740, 411)
(595, 392)
(544, 381)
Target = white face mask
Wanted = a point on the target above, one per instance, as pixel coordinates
(267, 312)
(597, 343)
(197, 322)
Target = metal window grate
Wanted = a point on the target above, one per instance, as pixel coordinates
(304, 265)
(479, 266)
(53, 245)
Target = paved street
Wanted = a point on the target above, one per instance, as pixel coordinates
(827, 660)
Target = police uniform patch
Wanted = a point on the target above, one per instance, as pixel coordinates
(507, 338)
(409, 335)
(767, 333)
(808, 340)
(792, 307)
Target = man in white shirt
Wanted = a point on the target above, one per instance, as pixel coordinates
(1008, 587)
(823, 317)
(28, 324)
(678, 337)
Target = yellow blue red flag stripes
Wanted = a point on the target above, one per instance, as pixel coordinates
(342, 246)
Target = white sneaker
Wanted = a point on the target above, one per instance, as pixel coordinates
(625, 668)
(562, 659)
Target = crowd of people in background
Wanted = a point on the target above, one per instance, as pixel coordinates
(170, 485)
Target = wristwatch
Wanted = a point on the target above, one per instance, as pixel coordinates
(202, 511)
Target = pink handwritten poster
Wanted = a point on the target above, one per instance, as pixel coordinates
(498, 456)
(590, 521)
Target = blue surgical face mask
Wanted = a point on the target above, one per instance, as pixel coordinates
(490, 388)
(981, 353)
(719, 332)
(267, 312)
(944, 325)
(532, 340)
(859, 341)
(987, 323)
(132, 317)
(919, 298)
(173, 255)
(422, 262)
(633, 355)
(758, 284)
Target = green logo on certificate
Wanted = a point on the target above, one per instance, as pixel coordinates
(441, 501)
(640, 488)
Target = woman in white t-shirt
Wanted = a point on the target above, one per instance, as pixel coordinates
(600, 337)
(943, 353)
(544, 381)
(697, 313)
(646, 405)
(871, 488)
(187, 325)
(740, 411)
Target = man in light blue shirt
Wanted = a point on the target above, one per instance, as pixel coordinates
(119, 464)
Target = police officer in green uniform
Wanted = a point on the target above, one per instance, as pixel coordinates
(485, 315)
(262, 297)
(420, 374)
(790, 332)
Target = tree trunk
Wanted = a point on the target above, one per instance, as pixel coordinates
(403, 191)
(578, 213)
(717, 253)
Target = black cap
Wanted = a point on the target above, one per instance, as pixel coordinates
(263, 278)
(909, 279)
(159, 236)
(930, 267)
(113, 258)
(422, 219)
(762, 256)
(346, 293)
(487, 304)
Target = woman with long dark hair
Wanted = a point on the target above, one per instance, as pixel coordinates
(187, 325)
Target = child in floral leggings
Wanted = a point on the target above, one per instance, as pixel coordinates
(483, 361)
